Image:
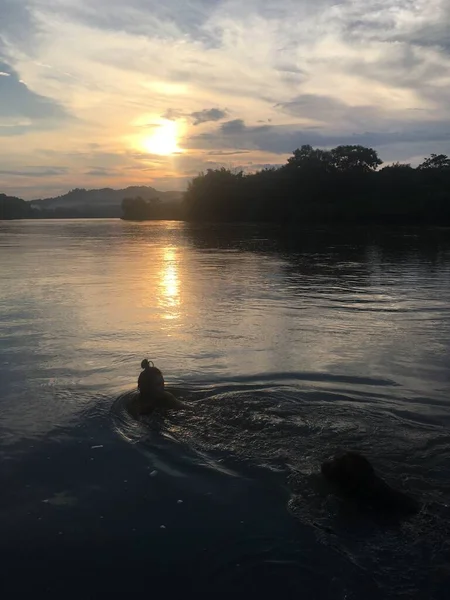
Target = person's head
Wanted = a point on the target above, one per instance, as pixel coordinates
(154, 377)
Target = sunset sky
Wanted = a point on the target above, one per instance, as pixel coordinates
(111, 93)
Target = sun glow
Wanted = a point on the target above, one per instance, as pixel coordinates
(163, 139)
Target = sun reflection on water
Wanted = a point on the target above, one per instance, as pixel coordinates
(169, 297)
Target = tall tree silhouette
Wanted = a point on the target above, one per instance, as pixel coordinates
(343, 184)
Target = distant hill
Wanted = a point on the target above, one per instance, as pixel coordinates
(82, 200)
(89, 204)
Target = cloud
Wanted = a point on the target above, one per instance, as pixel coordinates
(413, 22)
(170, 19)
(18, 28)
(229, 153)
(100, 173)
(317, 107)
(35, 172)
(172, 114)
(207, 115)
(284, 139)
(21, 109)
(17, 20)
(231, 127)
(334, 114)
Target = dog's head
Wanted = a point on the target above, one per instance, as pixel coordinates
(348, 469)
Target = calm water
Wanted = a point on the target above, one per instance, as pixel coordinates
(291, 344)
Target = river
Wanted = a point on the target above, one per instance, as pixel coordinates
(292, 344)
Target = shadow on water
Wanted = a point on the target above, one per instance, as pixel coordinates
(338, 244)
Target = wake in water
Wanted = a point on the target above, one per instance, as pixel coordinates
(289, 432)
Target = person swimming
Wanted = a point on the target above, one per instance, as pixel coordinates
(152, 392)
(151, 381)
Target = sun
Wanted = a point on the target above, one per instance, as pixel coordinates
(163, 140)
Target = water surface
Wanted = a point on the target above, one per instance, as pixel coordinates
(291, 344)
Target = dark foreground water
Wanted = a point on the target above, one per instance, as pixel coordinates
(291, 345)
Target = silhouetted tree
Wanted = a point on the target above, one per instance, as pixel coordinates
(225, 186)
(309, 159)
(14, 208)
(342, 184)
(435, 161)
(355, 158)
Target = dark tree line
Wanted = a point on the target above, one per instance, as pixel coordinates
(14, 208)
(135, 209)
(344, 184)
(139, 209)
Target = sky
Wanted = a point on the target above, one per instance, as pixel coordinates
(112, 93)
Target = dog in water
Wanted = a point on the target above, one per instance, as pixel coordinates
(354, 477)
